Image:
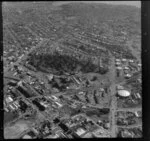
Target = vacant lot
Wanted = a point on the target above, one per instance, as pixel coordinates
(9, 117)
(14, 131)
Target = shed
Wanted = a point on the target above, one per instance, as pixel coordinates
(119, 68)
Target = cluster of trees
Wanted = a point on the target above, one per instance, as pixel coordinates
(70, 111)
(63, 63)
(98, 112)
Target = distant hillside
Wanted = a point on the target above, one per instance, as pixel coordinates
(124, 16)
(128, 17)
(101, 11)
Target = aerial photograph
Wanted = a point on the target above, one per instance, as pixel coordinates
(72, 69)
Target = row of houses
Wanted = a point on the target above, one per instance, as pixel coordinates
(10, 104)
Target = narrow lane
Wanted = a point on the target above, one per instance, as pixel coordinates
(129, 109)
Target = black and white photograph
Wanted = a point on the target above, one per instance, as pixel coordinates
(72, 69)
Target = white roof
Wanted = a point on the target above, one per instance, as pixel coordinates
(20, 83)
(81, 93)
(15, 105)
(80, 131)
(119, 87)
(54, 97)
(126, 68)
(131, 61)
(60, 105)
(50, 76)
(124, 59)
(138, 95)
(27, 137)
(138, 113)
(9, 99)
(123, 93)
(16, 102)
(101, 89)
(117, 59)
(118, 63)
(12, 107)
(44, 104)
(6, 109)
(128, 75)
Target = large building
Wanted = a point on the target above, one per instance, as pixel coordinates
(123, 93)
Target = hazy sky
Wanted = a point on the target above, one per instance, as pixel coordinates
(132, 3)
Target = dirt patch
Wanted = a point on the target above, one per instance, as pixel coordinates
(15, 130)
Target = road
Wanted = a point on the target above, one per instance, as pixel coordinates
(129, 109)
(113, 105)
(14, 78)
(131, 126)
(89, 105)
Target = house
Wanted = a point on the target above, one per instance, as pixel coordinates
(138, 114)
(16, 107)
(119, 87)
(118, 63)
(16, 103)
(138, 95)
(12, 107)
(131, 61)
(59, 105)
(127, 75)
(8, 99)
(126, 68)
(124, 60)
(6, 109)
(54, 97)
(117, 60)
